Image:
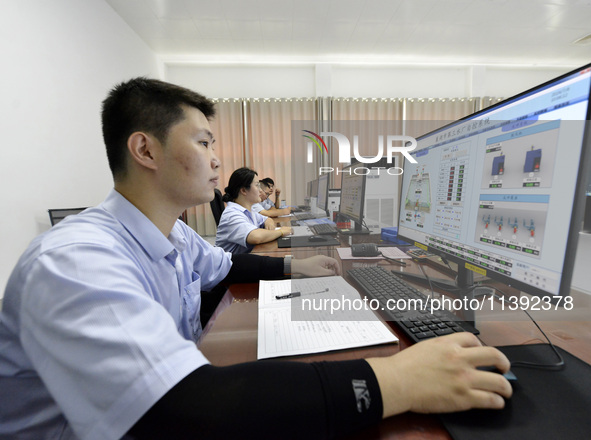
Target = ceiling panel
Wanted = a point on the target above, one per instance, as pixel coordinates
(381, 31)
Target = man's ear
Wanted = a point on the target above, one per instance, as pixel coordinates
(142, 148)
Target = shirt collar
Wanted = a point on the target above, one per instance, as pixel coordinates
(145, 232)
(237, 207)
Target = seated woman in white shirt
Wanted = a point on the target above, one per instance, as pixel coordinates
(240, 228)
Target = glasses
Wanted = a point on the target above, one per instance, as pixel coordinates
(257, 184)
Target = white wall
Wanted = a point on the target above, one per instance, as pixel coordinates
(581, 276)
(273, 81)
(59, 59)
(245, 81)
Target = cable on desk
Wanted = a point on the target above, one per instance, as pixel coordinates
(557, 366)
(446, 262)
(401, 263)
(428, 279)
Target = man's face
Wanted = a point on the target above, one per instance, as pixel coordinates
(187, 166)
(265, 192)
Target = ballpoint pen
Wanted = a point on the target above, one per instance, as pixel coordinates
(296, 294)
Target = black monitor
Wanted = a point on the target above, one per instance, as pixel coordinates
(322, 199)
(352, 198)
(501, 191)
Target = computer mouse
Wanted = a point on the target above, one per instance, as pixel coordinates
(316, 238)
(509, 375)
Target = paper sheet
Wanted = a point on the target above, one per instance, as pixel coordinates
(279, 334)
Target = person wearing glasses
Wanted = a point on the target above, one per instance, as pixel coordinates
(266, 207)
(271, 184)
(241, 227)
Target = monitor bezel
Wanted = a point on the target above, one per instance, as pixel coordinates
(578, 207)
(358, 223)
(325, 207)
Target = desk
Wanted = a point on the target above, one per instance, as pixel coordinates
(231, 337)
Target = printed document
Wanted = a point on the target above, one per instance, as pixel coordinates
(315, 315)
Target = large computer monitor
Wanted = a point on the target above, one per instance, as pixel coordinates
(352, 198)
(501, 191)
(322, 199)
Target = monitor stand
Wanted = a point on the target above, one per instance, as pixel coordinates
(358, 229)
(353, 231)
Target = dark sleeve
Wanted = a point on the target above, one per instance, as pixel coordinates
(266, 400)
(250, 268)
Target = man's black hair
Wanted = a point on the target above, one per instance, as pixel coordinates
(148, 105)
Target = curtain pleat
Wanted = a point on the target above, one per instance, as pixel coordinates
(425, 115)
(270, 139)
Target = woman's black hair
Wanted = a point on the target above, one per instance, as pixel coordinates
(268, 181)
(240, 178)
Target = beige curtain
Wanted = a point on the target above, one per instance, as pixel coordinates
(367, 119)
(425, 115)
(487, 101)
(269, 139)
(227, 130)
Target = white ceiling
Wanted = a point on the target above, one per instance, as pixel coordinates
(521, 32)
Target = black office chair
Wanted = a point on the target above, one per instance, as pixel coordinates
(57, 215)
(217, 206)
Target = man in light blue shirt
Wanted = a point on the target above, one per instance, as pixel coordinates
(112, 251)
(101, 314)
(266, 207)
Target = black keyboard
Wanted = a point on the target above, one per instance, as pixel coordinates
(324, 229)
(418, 324)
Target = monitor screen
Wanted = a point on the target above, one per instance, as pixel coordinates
(500, 191)
(322, 200)
(314, 188)
(352, 196)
